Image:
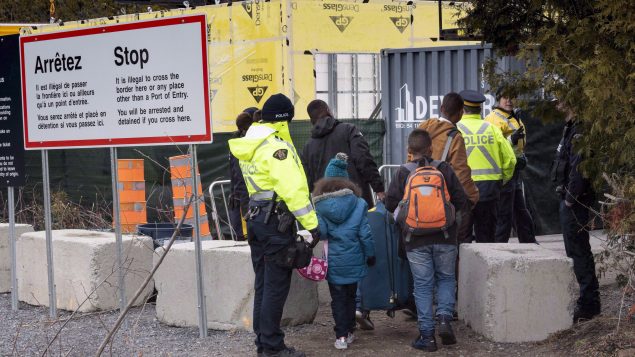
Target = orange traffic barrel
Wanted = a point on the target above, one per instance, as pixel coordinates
(132, 194)
(181, 175)
(132, 191)
(130, 169)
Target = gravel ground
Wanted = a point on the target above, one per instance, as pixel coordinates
(27, 332)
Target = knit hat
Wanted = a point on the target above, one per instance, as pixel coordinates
(337, 167)
(277, 108)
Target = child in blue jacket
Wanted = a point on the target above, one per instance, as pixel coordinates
(343, 223)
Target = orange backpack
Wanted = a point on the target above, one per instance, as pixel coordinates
(425, 208)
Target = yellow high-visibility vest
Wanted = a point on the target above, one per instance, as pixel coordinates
(508, 124)
(489, 155)
(269, 164)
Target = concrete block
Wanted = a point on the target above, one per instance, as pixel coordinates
(5, 253)
(515, 292)
(82, 260)
(228, 288)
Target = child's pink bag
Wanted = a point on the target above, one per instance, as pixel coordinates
(316, 270)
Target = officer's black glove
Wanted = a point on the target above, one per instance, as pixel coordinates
(370, 261)
(315, 234)
(517, 135)
(521, 162)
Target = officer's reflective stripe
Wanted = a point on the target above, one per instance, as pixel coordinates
(303, 211)
(489, 158)
(262, 195)
(253, 184)
(265, 142)
(477, 172)
(292, 148)
(469, 150)
(465, 129)
(495, 168)
(509, 122)
(483, 128)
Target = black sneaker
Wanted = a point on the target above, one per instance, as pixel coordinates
(445, 330)
(286, 352)
(412, 314)
(425, 343)
(584, 313)
(363, 320)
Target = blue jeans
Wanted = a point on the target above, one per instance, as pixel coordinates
(432, 264)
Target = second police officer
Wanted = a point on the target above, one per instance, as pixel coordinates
(278, 193)
(491, 159)
(512, 207)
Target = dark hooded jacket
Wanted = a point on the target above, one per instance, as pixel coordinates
(329, 137)
(239, 196)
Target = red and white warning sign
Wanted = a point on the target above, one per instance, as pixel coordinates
(143, 83)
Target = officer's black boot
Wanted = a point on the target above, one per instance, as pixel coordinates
(582, 313)
(445, 330)
(286, 352)
(425, 342)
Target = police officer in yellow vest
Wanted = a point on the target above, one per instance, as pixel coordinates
(278, 193)
(512, 207)
(492, 160)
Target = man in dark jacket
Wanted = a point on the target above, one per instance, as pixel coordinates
(329, 137)
(238, 195)
(576, 196)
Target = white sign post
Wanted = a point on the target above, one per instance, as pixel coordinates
(133, 84)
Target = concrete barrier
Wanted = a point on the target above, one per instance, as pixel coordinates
(82, 260)
(5, 253)
(515, 292)
(228, 282)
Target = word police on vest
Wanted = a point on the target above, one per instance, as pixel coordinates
(478, 139)
(131, 56)
(58, 63)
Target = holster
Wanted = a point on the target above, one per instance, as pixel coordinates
(286, 219)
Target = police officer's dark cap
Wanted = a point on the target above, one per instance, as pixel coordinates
(278, 108)
(472, 98)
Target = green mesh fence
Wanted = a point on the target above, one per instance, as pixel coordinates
(84, 174)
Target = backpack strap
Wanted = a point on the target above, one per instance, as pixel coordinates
(448, 143)
(411, 166)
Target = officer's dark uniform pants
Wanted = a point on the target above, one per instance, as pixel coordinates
(512, 211)
(483, 220)
(576, 243)
(272, 281)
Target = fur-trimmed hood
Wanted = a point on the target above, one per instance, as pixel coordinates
(335, 199)
(332, 185)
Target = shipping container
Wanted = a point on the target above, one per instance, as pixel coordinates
(414, 82)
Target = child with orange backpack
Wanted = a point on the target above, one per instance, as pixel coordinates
(423, 194)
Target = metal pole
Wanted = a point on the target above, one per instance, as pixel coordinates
(49, 234)
(202, 309)
(12, 241)
(117, 220)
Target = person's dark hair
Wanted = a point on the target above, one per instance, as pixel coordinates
(452, 104)
(472, 110)
(243, 122)
(419, 142)
(317, 110)
(257, 116)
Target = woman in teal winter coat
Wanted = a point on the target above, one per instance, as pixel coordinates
(343, 223)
